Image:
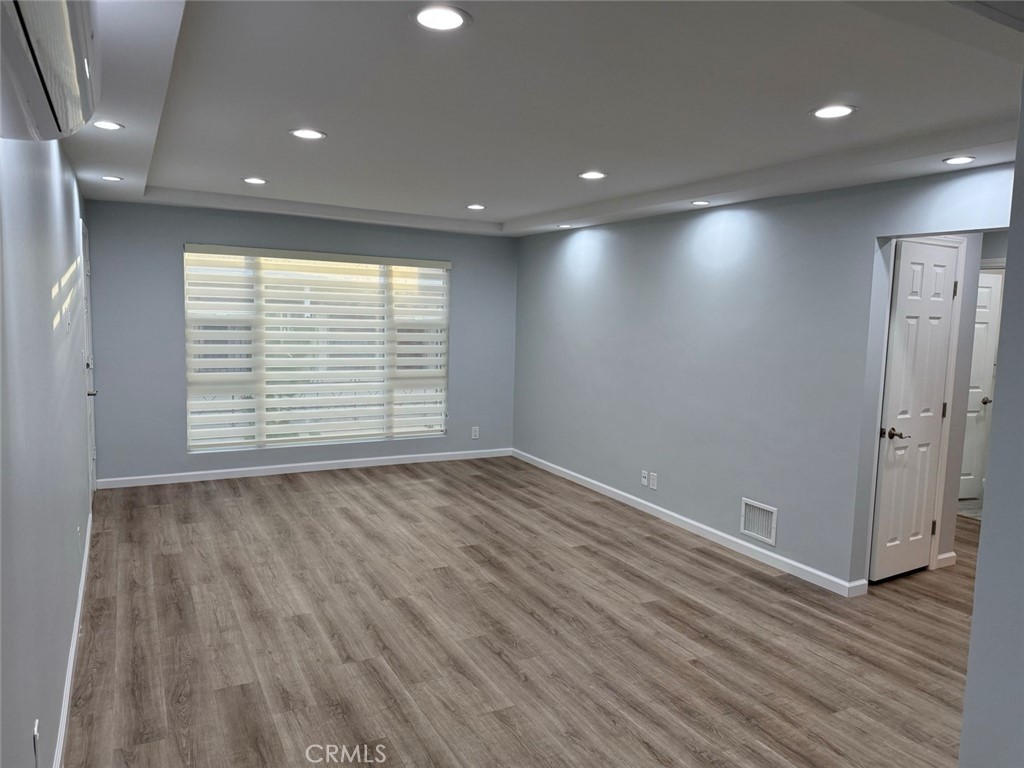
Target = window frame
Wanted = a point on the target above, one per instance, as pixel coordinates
(312, 256)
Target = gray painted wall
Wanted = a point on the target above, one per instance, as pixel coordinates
(750, 338)
(735, 351)
(139, 316)
(995, 245)
(44, 492)
(993, 736)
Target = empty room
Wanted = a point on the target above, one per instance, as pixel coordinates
(507, 384)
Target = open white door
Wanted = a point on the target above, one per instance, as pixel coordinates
(980, 397)
(909, 465)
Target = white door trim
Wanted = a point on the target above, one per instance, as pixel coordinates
(954, 343)
(87, 351)
(936, 558)
(888, 254)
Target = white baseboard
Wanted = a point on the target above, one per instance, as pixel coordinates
(805, 572)
(286, 469)
(945, 560)
(65, 707)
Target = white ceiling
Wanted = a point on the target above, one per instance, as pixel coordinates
(673, 100)
(136, 44)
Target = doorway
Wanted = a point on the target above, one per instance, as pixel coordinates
(937, 396)
(981, 394)
(914, 433)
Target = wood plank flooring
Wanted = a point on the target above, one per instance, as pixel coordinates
(485, 614)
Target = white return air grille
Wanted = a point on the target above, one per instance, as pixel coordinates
(758, 520)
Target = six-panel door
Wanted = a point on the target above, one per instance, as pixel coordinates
(915, 384)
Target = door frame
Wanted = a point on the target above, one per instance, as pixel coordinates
(87, 350)
(889, 256)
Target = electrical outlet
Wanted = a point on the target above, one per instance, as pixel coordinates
(654, 481)
(475, 434)
(643, 477)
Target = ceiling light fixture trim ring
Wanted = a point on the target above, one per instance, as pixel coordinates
(432, 15)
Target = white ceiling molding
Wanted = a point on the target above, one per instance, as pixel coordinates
(991, 143)
(136, 43)
(964, 22)
(208, 92)
(1009, 14)
(189, 199)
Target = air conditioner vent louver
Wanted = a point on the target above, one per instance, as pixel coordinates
(758, 521)
(50, 70)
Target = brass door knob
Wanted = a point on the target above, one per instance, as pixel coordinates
(893, 433)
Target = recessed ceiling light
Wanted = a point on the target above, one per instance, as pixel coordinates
(107, 125)
(593, 175)
(565, 226)
(442, 17)
(832, 111)
(476, 207)
(254, 180)
(701, 202)
(308, 133)
(113, 178)
(959, 160)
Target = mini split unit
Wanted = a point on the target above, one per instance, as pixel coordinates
(50, 69)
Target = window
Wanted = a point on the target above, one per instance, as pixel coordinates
(286, 348)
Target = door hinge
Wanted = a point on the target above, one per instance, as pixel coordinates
(944, 410)
(956, 288)
(933, 527)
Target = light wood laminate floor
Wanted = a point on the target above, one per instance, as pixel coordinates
(486, 614)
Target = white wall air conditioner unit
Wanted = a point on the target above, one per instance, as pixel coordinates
(50, 70)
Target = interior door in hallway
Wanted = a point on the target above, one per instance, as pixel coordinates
(981, 397)
(912, 404)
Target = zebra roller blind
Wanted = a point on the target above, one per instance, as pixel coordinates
(287, 347)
